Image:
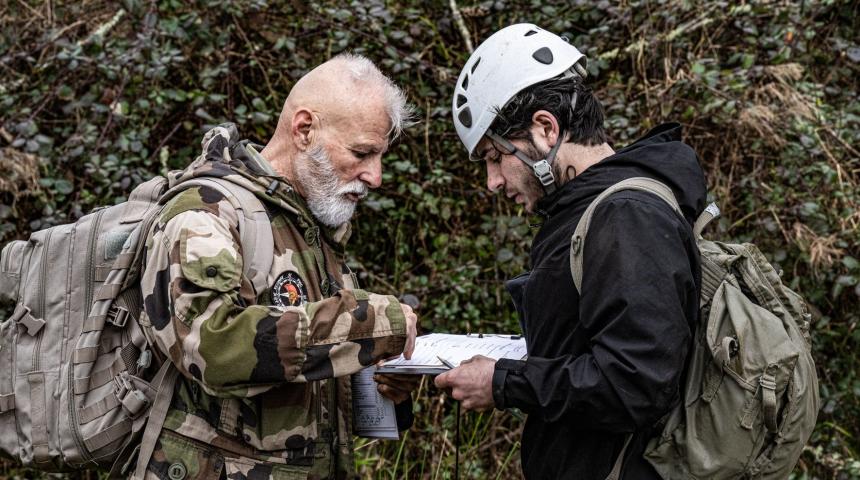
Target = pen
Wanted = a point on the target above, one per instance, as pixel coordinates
(445, 362)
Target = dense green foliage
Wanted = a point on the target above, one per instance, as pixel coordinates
(96, 96)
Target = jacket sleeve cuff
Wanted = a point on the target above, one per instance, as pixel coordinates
(504, 367)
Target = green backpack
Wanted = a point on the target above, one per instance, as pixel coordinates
(750, 399)
(79, 387)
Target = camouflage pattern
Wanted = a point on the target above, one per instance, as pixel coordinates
(265, 390)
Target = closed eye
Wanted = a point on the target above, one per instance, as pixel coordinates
(361, 155)
(492, 156)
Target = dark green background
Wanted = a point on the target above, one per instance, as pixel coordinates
(96, 96)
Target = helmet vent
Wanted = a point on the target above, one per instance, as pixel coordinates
(543, 55)
(475, 65)
(530, 33)
(465, 83)
(465, 117)
(461, 99)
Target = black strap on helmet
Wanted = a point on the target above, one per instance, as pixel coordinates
(541, 168)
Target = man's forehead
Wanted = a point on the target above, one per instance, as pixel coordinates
(364, 145)
(363, 127)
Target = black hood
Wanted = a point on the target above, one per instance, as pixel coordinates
(660, 155)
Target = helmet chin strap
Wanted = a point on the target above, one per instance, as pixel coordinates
(541, 168)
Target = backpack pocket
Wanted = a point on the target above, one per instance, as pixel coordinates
(8, 425)
(745, 363)
(11, 260)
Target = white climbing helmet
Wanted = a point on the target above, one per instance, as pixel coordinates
(512, 59)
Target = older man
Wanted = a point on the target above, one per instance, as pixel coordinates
(265, 388)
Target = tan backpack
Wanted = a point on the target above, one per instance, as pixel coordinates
(77, 377)
(750, 400)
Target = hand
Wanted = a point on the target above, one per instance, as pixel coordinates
(396, 387)
(411, 330)
(471, 383)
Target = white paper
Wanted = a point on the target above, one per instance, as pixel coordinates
(373, 414)
(457, 348)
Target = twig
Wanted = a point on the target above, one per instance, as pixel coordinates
(461, 25)
(788, 239)
(256, 60)
(839, 139)
(31, 9)
(832, 159)
(427, 130)
(165, 139)
(104, 28)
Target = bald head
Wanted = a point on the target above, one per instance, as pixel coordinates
(345, 87)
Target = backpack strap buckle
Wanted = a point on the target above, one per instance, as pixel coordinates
(134, 402)
(768, 397)
(121, 386)
(117, 316)
(23, 316)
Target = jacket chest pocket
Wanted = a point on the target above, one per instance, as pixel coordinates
(246, 468)
(289, 418)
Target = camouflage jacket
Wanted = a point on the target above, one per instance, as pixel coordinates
(265, 385)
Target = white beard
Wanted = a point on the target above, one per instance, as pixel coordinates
(326, 195)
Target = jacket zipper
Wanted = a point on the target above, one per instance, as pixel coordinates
(43, 277)
(91, 252)
(73, 414)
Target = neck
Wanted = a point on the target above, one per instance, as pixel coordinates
(580, 158)
(281, 157)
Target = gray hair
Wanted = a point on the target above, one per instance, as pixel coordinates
(362, 69)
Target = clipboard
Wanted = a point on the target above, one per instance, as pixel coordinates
(455, 349)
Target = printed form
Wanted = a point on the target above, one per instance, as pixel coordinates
(373, 414)
(454, 349)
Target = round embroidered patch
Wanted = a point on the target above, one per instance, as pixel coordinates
(289, 290)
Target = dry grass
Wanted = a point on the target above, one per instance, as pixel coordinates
(822, 250)
(775, 103)
(20, 172)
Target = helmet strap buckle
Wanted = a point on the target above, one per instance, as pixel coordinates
(543, 172)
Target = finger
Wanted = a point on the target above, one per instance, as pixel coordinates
(402, 382)
(442, 381)
(458, 394)
(410, 337)
(392, 394)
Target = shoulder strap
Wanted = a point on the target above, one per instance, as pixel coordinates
(711, 212)
(577, 241)
(164, 382)
(255, 228)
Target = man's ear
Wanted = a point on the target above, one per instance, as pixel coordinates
(544, 129)
(302, 128)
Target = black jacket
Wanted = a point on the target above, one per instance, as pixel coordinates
(611, 361)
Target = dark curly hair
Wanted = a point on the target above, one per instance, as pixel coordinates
(582, 122)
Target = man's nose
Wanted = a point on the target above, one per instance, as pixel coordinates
(371, 173)
(495, 181)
